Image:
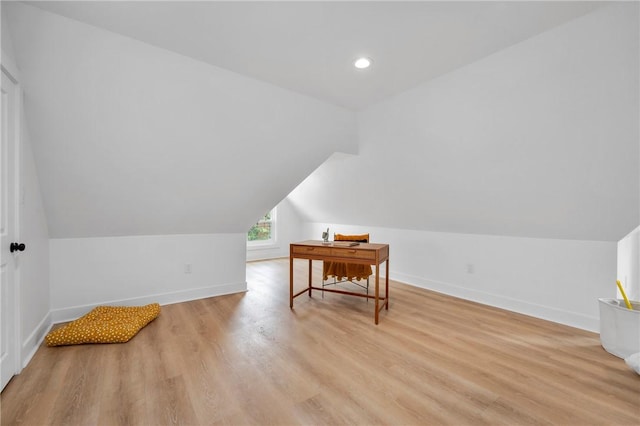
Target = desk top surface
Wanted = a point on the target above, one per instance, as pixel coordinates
(360, 246)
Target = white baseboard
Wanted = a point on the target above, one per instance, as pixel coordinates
(274, 257)
(539, 311)
(74, 312)
(32, 343)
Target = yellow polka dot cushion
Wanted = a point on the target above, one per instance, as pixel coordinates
(105, 324)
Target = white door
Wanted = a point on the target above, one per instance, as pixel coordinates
(8, 220)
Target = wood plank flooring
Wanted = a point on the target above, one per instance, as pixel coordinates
(248, 359)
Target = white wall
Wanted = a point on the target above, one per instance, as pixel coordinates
(629, 264)
(33, 263)
(538, 140)
(5, 36)
(288, 230)
(557, 280)
(136, 270)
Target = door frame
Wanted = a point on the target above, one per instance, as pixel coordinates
(8, 67)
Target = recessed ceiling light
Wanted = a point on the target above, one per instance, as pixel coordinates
(362, 63)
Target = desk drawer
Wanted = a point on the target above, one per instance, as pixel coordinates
(325, 251)
(356, 254)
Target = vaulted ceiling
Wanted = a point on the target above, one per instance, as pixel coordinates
(309, 46)
(196, 117)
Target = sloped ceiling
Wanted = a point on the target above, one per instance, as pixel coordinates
(135, 139)
(309, 46)
(538, 140)
(130, 139)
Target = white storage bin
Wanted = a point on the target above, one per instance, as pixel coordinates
(619, 327)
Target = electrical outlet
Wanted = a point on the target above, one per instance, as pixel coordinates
(187, 268)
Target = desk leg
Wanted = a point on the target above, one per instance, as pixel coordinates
(386, 284)
(310, 268)
(291, 282)
(377, 290)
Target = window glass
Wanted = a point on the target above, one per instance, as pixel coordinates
(263, 232)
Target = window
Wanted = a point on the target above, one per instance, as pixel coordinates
(264, 231)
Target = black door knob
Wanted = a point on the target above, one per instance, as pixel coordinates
(16, 247)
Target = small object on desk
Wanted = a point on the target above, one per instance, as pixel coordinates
(325, 237)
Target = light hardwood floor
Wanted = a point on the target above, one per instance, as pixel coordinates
(249, 359)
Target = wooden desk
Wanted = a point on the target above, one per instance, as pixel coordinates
(363, 253)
